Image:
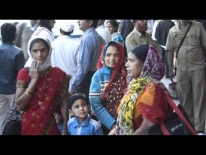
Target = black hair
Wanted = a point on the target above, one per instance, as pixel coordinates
(46, 24)
(114, 24)
(74, 97)
(112, 43)
(15, 23)
(140, 51)
(8, 33)
(38, 40)
(136, 20)
(94, 23)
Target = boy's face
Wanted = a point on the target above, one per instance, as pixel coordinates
(80, 108)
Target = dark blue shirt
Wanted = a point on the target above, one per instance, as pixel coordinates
(11, 61)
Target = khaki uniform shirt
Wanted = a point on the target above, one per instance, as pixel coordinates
(136, 38)
(191, 55)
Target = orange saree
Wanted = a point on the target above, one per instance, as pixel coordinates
(151, 104)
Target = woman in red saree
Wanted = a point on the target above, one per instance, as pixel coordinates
(41, 91)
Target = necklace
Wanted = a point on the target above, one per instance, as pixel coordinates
(42, 90)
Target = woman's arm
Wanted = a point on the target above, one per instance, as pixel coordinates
(96, 104)
(23, 95)
(144, 128)
(64, 113)
(154, 108)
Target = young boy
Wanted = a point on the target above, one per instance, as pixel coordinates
(81, 123)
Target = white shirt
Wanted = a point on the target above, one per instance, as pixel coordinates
(104, 33)
(64, 54)
(175, 21)
(154, 29)
(33, 28)
(150, 24)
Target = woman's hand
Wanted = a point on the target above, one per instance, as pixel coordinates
(58, 119)
(112, 132)
(34, 73)
(144, 128)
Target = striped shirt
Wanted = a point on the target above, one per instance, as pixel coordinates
(99, 81)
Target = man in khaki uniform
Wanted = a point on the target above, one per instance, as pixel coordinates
(138, 36)
(190, 69)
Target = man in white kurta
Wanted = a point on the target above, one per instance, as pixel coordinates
(64, 50)
(103, 31)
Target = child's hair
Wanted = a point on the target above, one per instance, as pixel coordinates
(74, 97)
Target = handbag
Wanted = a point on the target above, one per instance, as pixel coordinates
(177, 124)
(12, 123)
(172, 89)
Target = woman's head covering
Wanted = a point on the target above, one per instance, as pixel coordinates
(119, 67)
(100, 63)
(121, 59)
(41, 32)
(153, 65)
(47, 63)
(120, 49)
(114, 90)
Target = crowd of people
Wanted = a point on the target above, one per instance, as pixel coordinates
(108, 82)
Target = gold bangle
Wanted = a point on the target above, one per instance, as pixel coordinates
(27, 93)
(21, 84)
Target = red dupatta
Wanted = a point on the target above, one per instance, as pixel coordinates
(38, 117)
(114, 90)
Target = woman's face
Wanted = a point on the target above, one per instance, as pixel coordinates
(134, 66)
(39, 52)
(111, 28)
(111, 56)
